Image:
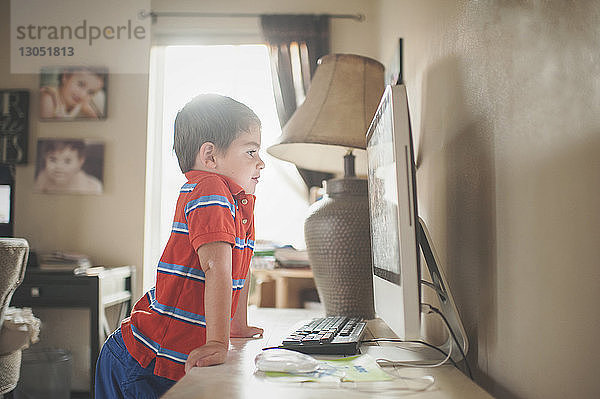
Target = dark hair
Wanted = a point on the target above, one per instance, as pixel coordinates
(209, 118)
(48, 146)
(71, 70)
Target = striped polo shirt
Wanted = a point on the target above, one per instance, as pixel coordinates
(168, 321)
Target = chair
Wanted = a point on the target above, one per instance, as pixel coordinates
(19, 327)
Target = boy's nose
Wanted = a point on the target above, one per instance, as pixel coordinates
(261, 163)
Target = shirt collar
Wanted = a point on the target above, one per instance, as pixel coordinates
(236, 189)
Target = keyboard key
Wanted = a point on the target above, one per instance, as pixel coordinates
(327, 337)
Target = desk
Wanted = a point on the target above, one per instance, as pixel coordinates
(96, 291)
(235, 378)
(288, 285)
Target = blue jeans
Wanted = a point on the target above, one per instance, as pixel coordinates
(120, 376)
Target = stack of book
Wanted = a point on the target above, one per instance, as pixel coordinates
(264, 255)
(269, 255)
(289, 257)
(64, 261)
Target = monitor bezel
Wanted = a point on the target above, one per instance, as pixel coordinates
(403, 318)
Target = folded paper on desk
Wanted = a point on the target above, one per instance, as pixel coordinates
(362, 368)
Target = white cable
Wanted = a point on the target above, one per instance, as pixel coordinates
(390, 363)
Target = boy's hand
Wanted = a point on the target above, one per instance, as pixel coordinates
(245, 331)
(210, 354)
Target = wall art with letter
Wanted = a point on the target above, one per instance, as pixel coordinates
(14, 126)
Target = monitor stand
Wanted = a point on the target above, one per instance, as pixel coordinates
(447, 305)
(447, 308)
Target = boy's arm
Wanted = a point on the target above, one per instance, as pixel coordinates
(239, 324)
(215, 261)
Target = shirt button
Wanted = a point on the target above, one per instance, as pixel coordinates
(244, 221)
(244, 201)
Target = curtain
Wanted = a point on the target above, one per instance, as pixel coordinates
(295, 43)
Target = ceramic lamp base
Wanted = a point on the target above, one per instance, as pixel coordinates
(338, 242)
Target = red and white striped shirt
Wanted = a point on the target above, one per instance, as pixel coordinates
(168, 321)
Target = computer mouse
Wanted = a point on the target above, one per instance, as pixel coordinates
(284, 360)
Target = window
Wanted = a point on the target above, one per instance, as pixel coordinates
(178, 74)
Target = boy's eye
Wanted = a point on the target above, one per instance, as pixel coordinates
(251, 152)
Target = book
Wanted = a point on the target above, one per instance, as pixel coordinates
(290, 257)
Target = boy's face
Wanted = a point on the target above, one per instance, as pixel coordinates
(80, 87)
(62, 165)
(241, 161)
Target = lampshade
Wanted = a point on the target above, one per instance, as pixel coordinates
(335, 116)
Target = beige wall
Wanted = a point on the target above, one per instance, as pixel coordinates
(504, 99)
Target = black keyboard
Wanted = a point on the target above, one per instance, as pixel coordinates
(331, 335)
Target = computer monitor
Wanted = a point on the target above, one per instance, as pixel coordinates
(398, 234)
(6, 200)
(394, 216)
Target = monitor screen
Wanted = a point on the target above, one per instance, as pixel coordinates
(7, 197)
(4, 203)
(383, 193)
(393, 213)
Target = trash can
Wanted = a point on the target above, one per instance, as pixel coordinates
(45, 373)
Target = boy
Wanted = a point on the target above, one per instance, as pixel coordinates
(201, 291)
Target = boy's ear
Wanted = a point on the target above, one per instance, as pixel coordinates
(205, 158)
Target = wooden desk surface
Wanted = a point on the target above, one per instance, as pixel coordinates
(236, 379)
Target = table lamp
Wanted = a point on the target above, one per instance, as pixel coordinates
(328, 133)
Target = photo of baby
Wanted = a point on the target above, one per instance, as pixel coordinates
(71, 93)
(69, 166)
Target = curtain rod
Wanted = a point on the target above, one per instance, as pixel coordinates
(154, 15)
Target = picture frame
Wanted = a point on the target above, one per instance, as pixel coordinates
(70, 93)
(69, 166)
(14, 126)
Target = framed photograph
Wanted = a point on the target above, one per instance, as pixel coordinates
(71, 166)
(73, 93)
(14, 126)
